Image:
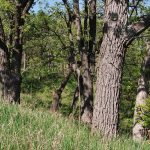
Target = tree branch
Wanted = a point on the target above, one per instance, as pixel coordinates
(137, 28)
(134, 8)
(27, 4)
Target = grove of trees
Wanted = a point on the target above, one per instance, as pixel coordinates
(86, 58)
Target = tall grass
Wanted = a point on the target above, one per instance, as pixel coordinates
(24, 129)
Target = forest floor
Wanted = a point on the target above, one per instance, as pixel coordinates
(26, 129)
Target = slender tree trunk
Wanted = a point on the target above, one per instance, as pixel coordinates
(109, 72)
(139, 132)
(75, 99)
(24, 61)
(87, 94)
(58, 92)
(71, 60)
(92, 34)
(88, 61)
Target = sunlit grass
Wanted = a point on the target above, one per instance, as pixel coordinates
(24, 129)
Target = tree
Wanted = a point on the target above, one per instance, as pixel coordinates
(71, 58)
(14, 51)
(118, 35)
(4, 64)
(139, 131)
(86, 47)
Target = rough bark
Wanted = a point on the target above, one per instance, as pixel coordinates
(4, 72)
(139, 132)
(109, 71)
(4, 66)
(117, 37)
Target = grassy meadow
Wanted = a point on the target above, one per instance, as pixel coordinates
(26, 129)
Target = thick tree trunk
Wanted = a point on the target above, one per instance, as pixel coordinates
(17, 55)
(58, 92)
(4, 66)
(4, 72)
(139, 132)
(109, 73)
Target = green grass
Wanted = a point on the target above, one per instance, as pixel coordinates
(24, 129)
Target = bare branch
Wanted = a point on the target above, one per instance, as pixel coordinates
(27, 4)
(134, 8)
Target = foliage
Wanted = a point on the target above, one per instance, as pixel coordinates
(131, 72)
(5, 6)
(146, 116)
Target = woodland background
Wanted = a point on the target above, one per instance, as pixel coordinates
(47, 53)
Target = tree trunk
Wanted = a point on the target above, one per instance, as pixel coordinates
(4, 72)
(58, 92)
(88, 61)
(139, 132)
(109, 72)
(4, 66)
(10, 68)
(75, 99)
(87, 94)
(17, 55)
(92, 34)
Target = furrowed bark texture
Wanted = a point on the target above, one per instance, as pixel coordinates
(139, 132)
(109, 73)
(4, 72)
(4, 66)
